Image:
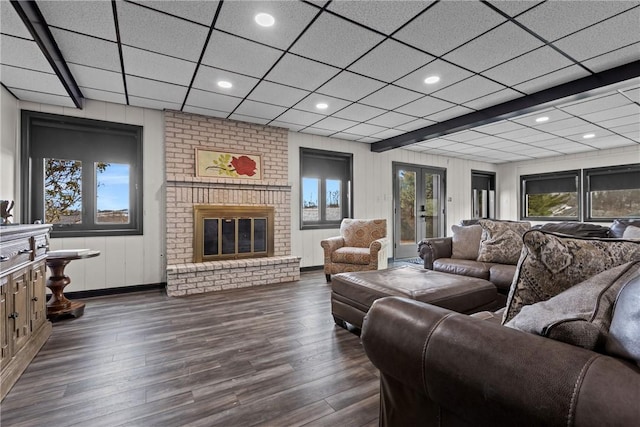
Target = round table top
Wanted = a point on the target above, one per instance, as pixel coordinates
(70, 257)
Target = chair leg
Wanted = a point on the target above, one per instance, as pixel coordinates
(328, 276)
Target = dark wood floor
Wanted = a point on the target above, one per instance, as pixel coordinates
(268, 356)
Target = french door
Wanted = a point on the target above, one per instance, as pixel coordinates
(418, 206)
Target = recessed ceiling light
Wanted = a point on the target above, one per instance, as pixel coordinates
(542, 119)
(431, 80)
(322, 106)
(589, 135)
(264, 19)
(224, 84)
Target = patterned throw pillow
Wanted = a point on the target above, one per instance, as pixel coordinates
(582, 314)
(501, 241)
(552, 263)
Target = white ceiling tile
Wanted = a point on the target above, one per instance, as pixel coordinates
(492, 99)
(383, 16)
(555, 78)
(207, 78)
(514, 7)
(300, 72)
(197, 11)
(85, 50)
(22, 53)
(633, 128)
(416, 124)
(43, 98)
(259, 110)
(449, 113)
(620, 121)
(598, 103)
(11, 23)
(389, 61)
(151, 89)
(447, 25)
(578, 136)
(529, 119)
(368, 139)
(205, 111)
(556, 19)
(364, 129)
(464, 136)
(324, 41)
(574, 148)
(302, 118)
(350, 86)
(540, 139)
(487, 140)
(212, 101)
(249, 119)
(86, 17)
(391, 119)
(153, 103)
(611, 142)
(552, 126)
(359, 112)
(466, 90)
(481, 53)
(310, 102)
(612, 113)
(516, 135)
(500, 127)
(96, 78)
(103, 95)
(32, 80)
(277, 94)
(290, 126)
(613, 59)
(632, 93)
(346, 135)
(318, 131)
(390, 97)
(576, 132)
(447, 72)
(501, 145)
(335, 124)
(241, 56)
(237, 17)
(528, 66)
(634, 136)
(606, 36)
(389, 133)
(158, 67)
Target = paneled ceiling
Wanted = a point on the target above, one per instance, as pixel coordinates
(365, 60)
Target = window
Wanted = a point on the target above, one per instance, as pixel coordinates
(552, 196)
(483, 194)
(325, 188)
(612, 193)
(83, 176)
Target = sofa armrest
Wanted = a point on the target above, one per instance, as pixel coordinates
(331, 244)
(488, 374)
(379, 252)
(433, 248)
(378, 245)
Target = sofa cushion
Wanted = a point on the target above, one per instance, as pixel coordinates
(581, 229)
(631, 232)
(552, 263)
(619, 225)
(581, 315)
(360, 256)
(465, 241)
(624, 331)
(463, 267)
(501, 275)
(501, 241)
(360, 233)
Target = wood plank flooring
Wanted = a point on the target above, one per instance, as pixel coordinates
(262, 356)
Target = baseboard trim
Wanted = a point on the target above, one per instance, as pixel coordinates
(312, 268)
(114, 291)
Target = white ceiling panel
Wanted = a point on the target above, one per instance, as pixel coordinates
(392, 119)
(94, 18)
(103, 95)
(290, 126)
(390, 97)
(481, 53)
(318, 131)
(237, 17)
(238, 55)
(494, 98)
(150, 89)
(97, 78)
(514, 7)
(632, 128)
(576, 132)
(625, 110)
(610, 142)
(555, 19)
(614, 124)
(500, 128)
(150, 30)
(42, 97)
(466, 90)
(449, 113)
(212, 101)
(465, 135)
(205, 111)
(22, 53)
(415, 124)
(158, 67)
(517, 135)
(350, 86)
(10, 22)
(448, 73)
(197, 11)
(389, 133)
(153, 103)
(599, 134)
(324, 41)
(613, 59)
(381, 15)
(277, 94)
(632, 92)
(250, 119)
(300, 72)
(552, 126)
(447, 25)
(207, 78)
(555, 78)
(346, 135)
(309, 104)
(90, 51)
(368, 139)
(303, 118)
(35, 80)
(365, 129)
(595, 104)
(425, 106)
(389, 61)
(335, 124)
(359, 112)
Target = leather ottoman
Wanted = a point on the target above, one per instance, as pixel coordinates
(353, 293)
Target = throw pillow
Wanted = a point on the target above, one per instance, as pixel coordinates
(631, 232)
(552, 263)
(582, 314)
(465, 241)
(501, 241)
(624, 331)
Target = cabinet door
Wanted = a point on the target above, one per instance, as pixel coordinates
(19, 286)
(38, 296)
(5, 332)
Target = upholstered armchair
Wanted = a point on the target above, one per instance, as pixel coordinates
(362, 245)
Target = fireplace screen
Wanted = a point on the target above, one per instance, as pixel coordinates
(232, 232)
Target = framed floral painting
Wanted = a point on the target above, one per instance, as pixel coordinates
(223, 164)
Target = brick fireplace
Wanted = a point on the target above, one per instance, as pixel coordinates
(184, 133)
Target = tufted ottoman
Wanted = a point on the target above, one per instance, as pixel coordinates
(353, 293)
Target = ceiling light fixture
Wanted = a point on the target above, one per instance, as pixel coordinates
(224, 84)
(322, 106)
(542, 119)
(589, 135)
(264, 20)
(431, 80)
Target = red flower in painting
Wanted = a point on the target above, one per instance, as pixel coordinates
(244, 165)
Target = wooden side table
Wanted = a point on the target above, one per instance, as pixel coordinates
(59, 305)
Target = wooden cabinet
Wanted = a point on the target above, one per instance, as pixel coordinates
(23, 324)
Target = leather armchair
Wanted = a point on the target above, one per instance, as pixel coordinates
(361, 246)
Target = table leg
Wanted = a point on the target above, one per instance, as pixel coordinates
(58, 305)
